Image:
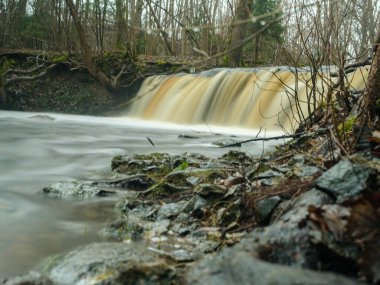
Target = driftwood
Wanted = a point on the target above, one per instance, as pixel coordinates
(293, 136)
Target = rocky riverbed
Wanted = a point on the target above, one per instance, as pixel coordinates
(286, 218)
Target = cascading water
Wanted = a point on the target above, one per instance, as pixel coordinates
(247, 98)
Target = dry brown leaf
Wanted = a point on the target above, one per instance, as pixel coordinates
(364, 226)
(364, 221)
(330, 218)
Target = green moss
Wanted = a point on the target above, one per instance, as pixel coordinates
(225, 60)
(347, 125)
(61, 58)
(154, 156)
(8, 63)
(184, 165)
(378, 102)
(159, 173)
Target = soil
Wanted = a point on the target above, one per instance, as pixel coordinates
(68, 88)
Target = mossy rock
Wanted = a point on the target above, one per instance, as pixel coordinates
(237, 157)
(154, 164)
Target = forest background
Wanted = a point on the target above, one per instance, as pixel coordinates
(236, 32)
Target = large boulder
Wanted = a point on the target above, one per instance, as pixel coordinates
(234, 266)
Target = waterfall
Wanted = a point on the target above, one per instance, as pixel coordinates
(274, 98)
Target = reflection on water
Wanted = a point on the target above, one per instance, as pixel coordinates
(38, 150)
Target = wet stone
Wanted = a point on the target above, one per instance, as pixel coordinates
(193, 180)
(268, 174)
(32, 278)
(133, 182)
(203, 244)
(297, 209)
(297, 159)
(197, 206)
(159, 227)
(228, 215)
(225, 142)
(170, 210)
(346, 180)
(233, 190)
(182, 255)
(122, 229)
(271, 181)
(178, 178)
(42, 117)
(282, 168)
(138, 163)
(233, 266)
(182, 217)
(236, 157)
(265, 207)
(306, 171)
(76, 189)
(202, 232)
(292, 242)
(109, 263)
(206, 190)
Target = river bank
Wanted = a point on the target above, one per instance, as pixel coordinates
(302, 214)
(56, 82)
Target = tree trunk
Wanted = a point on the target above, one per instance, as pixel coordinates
(239, 29)
(372, 95)
(87, 54)
(165, 37)
(136, 27)
(120, 23)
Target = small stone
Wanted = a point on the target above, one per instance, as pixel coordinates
(182, 255)
(182, 217)
(306, 171)
(346, 180)
(233, 190)
(134, 182)
(265, 207)
(201, 232)
(193, 180)
(299, 158)
(184, 231)
(170, 210)
(206, 190)
(31, 278)
(159, 227)
(76, 189)
(231, 181)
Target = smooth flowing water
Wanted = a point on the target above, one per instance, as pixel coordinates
(36, 150)
(274, 98)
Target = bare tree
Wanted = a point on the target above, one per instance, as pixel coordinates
(112, 84)
(243, 13)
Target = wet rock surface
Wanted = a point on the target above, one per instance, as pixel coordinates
(346, 180)
(31, 278)
(239, 267)
(179, 215)
(109, 263)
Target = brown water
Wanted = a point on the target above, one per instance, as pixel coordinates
(36, 151)
(250, 98)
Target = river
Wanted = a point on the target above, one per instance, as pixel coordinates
(39, 149)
